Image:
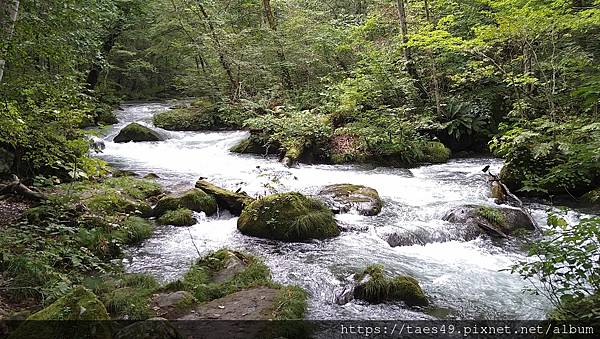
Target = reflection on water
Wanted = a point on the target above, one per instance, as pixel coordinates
(465, 277)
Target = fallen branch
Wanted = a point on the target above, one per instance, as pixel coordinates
(16, 187)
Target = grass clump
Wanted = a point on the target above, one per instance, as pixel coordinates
(126, 296)
(196, 200)
(492, 215)
(179, 217)
(290, 303)
(373, 286)
(201, 279)
(288, 217)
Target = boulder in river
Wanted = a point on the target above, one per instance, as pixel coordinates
(137, 133)
(343, 198)
(288, 217)
(422, 236)
(234, 202)
(196, 200)
(179, 217)
(373, 286)
(495, 221)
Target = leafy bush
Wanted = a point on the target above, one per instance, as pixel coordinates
(550, 157)
(564, 265)
(295, 131)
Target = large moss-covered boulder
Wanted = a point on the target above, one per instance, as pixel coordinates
(80, 304)
(592, 197)
(196, 200)
(435, 152)
(186, 119)
(179, 217)
(234, 202)
(495, 221)
(256, 143)
(137, 133)
(78, 314)
(373, 286)
(344, 198)
(288, 217)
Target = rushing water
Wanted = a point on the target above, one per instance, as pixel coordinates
(465, 279)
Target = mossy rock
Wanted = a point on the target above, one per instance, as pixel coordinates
(186, 119)
(78, 314)
(435, 152)
(137, 133)
(155, 328)
(179, 217)
(79, 304)
(106, 117)
(495, 221)
(127, 296)
(172, 305)
(288, 217)
(256, 143)
(196, 200)
(373, 286)
(343, 198)
(234, 202)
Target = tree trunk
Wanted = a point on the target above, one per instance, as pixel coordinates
(222, 59)
(410, 65)
(287, 79)
(8, 10)
(434, 75)
(107, 46)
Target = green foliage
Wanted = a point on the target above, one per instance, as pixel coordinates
(563, 265)
(295, 132)
(71, 236)
(290, 303)
(493, 215)
(547, 157)
(179, 217)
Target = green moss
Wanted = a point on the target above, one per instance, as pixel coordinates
(80, 304)
(137, 133)
(379, 288)
(179, 217)
(200, 279)
(134, 187)
(195, 200)
(288, 217)
(435, 152)
(186, 119)
(493, 215)
(134, 230)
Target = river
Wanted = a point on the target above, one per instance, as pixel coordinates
(464, 279)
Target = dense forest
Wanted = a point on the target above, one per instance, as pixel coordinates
(388, 83)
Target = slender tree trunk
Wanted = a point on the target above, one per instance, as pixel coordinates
(9, 9)
(287, 79)
(434, 75)
(222, 58)
(107, 46)
(410, 65)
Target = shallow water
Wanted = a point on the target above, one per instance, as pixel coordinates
(463, 278)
